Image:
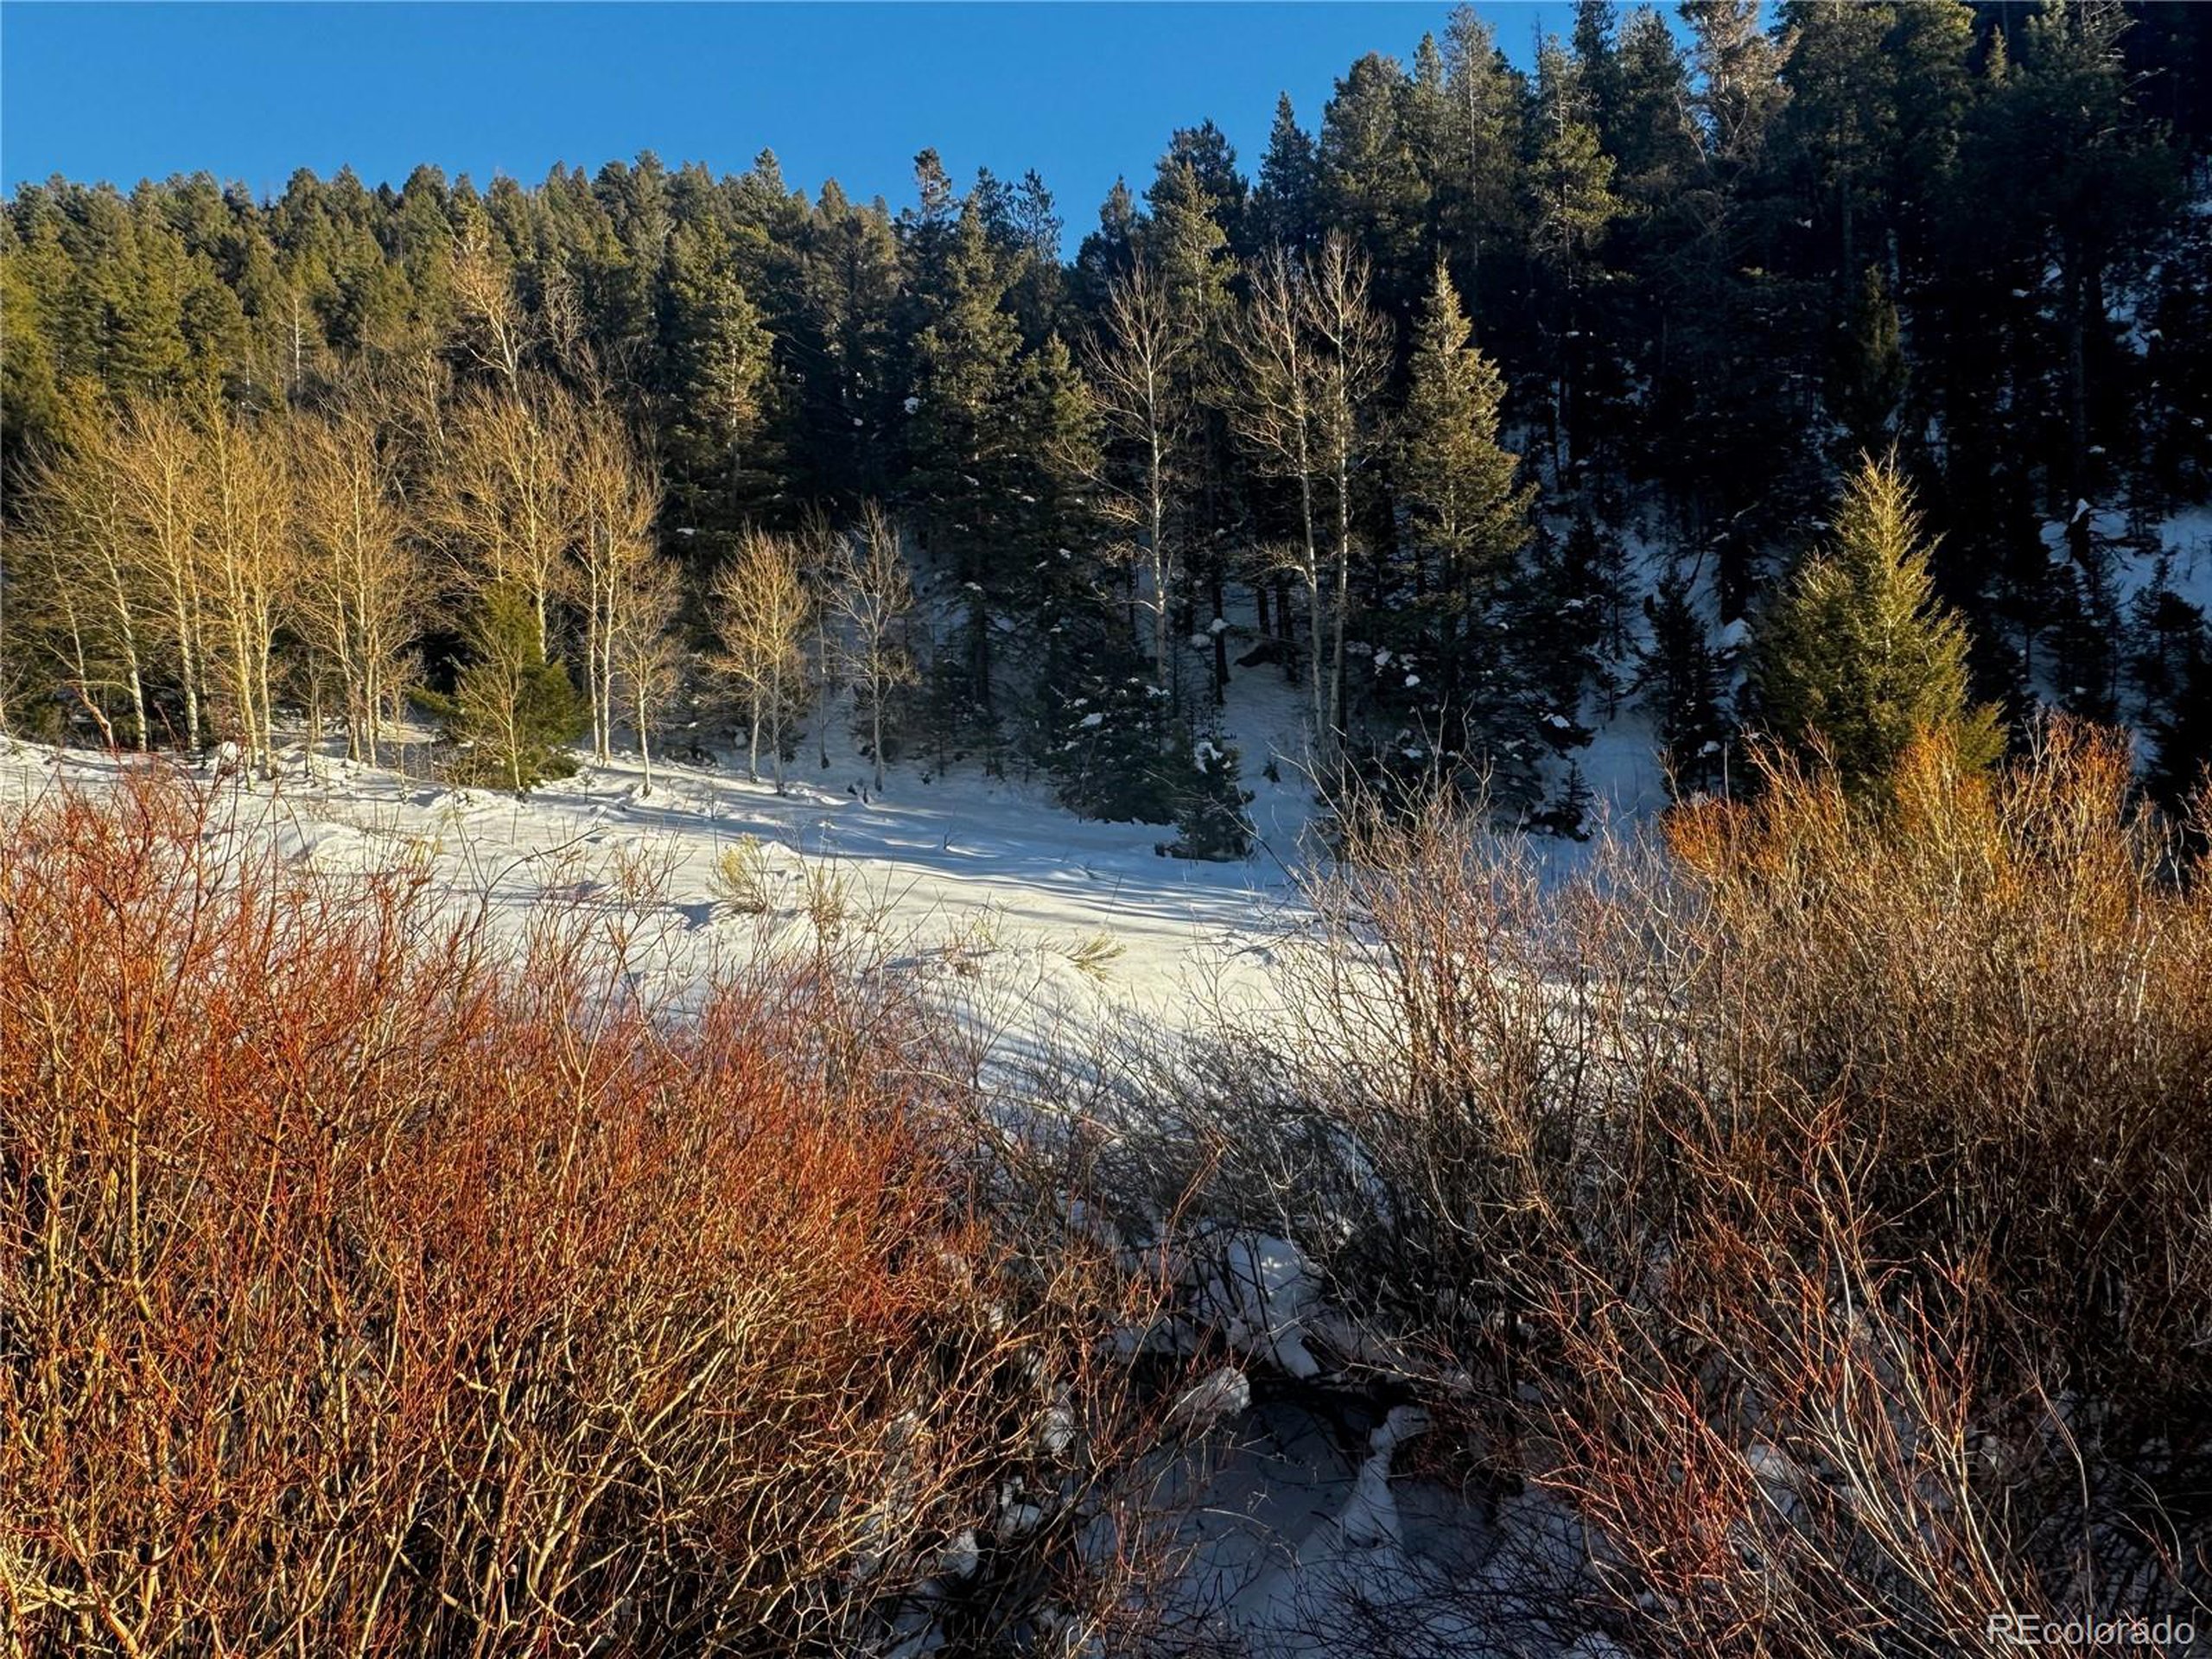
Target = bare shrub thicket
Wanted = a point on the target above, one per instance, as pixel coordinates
(368, 1285)
(1813, 1205)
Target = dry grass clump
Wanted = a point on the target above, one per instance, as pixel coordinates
(1095, 953)
(744, 877)
(367, 1287)
(1819, 1204)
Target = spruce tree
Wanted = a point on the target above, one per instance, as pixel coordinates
(1868, 384)
(1284, 213)
(1563, 627)
(1467, 519)
(1204, 152)
(1049, 523)
(716, 381)
(1859, 658)
(1678, 686)
(1108, 251)
(963, 439)
(512, 713)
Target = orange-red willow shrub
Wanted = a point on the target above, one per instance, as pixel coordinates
(369, 1286)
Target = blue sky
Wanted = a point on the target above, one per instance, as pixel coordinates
(1080, 92)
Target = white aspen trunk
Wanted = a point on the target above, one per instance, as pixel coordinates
(876, 728)
(1339, 601)
(776, 728)
(1311, 571)
(128, 634)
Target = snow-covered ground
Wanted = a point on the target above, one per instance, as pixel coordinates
(983, 884)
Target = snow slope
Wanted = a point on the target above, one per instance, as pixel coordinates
(984, 884)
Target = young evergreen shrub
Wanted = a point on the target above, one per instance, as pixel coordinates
(1859, 658)
(1100, 737)
(512, 713)
(1209, 807)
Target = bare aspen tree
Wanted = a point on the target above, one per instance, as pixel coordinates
(81, 544)
(646, 656)
(295, 330)
(1137, 366)
(821, 550)
(39, 611)
(248, 540)
(494, 329)
(360, 583)
(560, 318)
(616, 499)
(758, 609)
(871, 594)
(1351, 357)
(15, 676)
(503, 498)
(157, 453)
(416, 393)
(68, 627)
(1274, 414)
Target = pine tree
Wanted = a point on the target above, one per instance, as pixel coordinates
(1596, 61)
(1678, 686)
(964, 440)
(1739, 74)
(1650, 131)
(716, 380)
(1571, 205)
(1368, 182)
(1841, 117)
(1039, 283)
(847, 291)
(512, 713)
(1859, 658)
(1467, 519)
(33, 276)
(1478, 209)
(144, 292)
(1869, 378)
(1285, 213)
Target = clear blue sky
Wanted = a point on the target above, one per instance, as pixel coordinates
(1080, 92)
